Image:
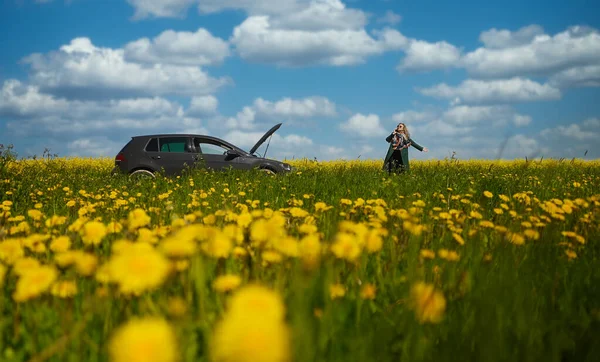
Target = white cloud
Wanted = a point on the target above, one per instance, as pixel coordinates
(423, 56)
(286, 108)
(592, 123)
(253, 6)
(257, 40)
(301, 108)
(500, 39)
(82, 69)
(160, 8)
(93, 146)
(363, 125)
(22, 100)
(491, 115)
(413, 117)
(494, 91)
(180, 48)
(573, 131)
(542, 55)
(585, 76)
(520, 120)
(390, 17)
(203, 105)
(321, 15)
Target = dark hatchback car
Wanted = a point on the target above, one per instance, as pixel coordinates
(173, 153)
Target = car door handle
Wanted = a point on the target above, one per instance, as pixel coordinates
(156, 157)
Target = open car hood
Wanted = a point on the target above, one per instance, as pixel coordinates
(264, 138)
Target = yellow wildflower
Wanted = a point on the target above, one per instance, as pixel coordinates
(93, 232)
(137, 218)
(337, 291)
(346, 246)
(429, 304)
(34, 282)
(144, 340)
(64, 289)
(138, 268)
(368, 291)
(253, 328)
(458, 238)
(488, 194)
(60, 244)
(226, 283)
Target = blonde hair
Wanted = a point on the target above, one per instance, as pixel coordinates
(405, 130)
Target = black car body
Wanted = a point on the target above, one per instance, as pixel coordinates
(173, 153)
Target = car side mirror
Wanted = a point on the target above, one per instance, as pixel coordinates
(232, 153)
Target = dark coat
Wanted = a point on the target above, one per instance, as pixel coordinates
(403, 152)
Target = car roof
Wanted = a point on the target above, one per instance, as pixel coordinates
(174, 135)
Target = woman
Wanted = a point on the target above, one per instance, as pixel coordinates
(396, 158)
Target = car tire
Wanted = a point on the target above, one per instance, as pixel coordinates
(267, 171)
(141, 174)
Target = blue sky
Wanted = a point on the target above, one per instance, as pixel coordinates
(80, 77)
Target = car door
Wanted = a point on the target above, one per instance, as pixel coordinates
(213, 153)
(174, 155)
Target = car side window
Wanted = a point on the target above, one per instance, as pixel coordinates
(173, 144)
(152, 146)
(209, 148)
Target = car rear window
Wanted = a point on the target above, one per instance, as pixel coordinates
(172, 144)
(152, 146)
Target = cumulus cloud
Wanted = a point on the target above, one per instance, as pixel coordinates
(494, 115)
(584, 131)
(252, 7)
(512, 55)
(257, 40)
(28, 112)
(424, 56)
(390, 17)
(180, 48)
(413, 116)
(585, 76)
(363, 125)
(503, 38)
(81, 69)
(494, 91)
(203, 105)
(160, 8)
(286, 108)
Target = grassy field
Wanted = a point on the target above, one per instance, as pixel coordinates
(338, 261)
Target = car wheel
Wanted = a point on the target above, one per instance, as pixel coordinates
(267, 171)
(141, 175)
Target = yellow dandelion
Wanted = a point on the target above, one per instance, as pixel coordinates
(144, 340)
(138, 269)
(272, 257)
(93, 232)
(34, 282)
(226, 283)
(368, 291)
(64, 289)
(60, 244)
(138, 218)
(571, 254)
(253, 328)
(488, 194)
(35, 214)
(429, 304)
(337, 291)
(427, 254)
(346, 246)
(458, 238)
